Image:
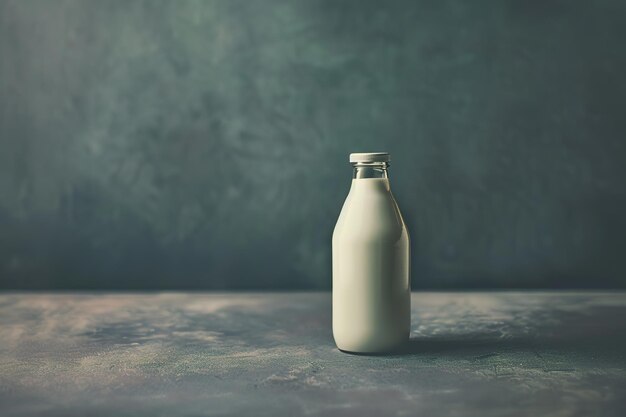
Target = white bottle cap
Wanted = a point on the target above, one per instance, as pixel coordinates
(370, 157)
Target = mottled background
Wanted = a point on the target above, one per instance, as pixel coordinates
(203, 144)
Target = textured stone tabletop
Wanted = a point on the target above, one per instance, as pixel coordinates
(192, 354)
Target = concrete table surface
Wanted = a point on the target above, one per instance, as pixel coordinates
(271, 354)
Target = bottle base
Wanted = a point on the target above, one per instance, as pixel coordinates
(393, 351)
(365, 353)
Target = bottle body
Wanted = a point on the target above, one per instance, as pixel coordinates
(371, 270)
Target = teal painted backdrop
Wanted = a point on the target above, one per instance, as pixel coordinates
(204, 144)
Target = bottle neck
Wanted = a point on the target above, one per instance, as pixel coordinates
(370, 170)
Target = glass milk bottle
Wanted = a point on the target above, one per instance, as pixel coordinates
(371, 282)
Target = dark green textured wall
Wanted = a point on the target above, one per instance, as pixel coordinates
(203, 144)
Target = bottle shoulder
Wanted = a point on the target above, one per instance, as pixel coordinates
(370, 214)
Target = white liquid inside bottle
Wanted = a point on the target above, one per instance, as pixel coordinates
(371, 265)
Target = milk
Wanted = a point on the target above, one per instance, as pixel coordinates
(371, 284)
